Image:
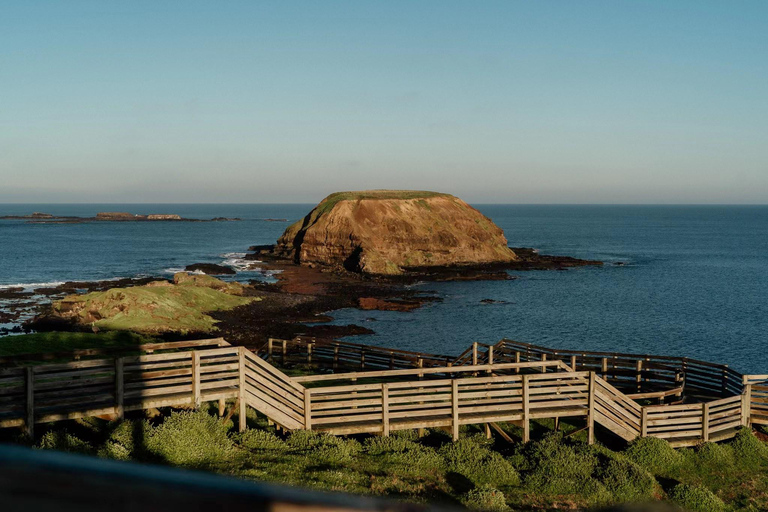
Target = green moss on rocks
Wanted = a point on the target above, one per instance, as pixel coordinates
(157, 307)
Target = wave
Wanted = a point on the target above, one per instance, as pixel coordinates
(29, 286)
(237, 261)
(176, 270)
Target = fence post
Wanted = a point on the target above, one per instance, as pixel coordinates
(526, 423)
(639, 376)
(269, 350)
(591, 412)
(573, 363)
(362, 358)
(30, 388)
(241, 394)
(309, 353)
(335, 356)
(119, 388)
(746, 402)
(705, 422)
(474, 354)
(604, 368)
(385, 409)
(196, 378)
(543, 358)
(307, 409)
(455, 409)
(285, 349)
(724, 392)
(490, 358)
(644, 422)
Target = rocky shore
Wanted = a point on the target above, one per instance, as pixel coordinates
(377, 244)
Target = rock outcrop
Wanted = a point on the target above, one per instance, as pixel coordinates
(390, 231)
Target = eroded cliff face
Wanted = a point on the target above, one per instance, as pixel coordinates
(387, 232)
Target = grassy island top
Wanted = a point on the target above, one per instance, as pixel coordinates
(332, 200)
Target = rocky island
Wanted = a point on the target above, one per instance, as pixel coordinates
(387, 232)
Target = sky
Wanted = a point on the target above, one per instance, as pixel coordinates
(287, 101)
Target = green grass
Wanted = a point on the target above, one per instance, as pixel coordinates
(332, 200)
(549, 473)
(155, 309)
(66, 341)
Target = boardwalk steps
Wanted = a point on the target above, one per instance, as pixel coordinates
(396, 390)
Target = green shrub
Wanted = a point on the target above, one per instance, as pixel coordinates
(696, 498)
(472, 458)
(403, 453)
(711, 455)
(555, 467)
(625, 480)
(63, 441)
(191, 439)
(255, 439)
(324, 448)
(654, 454)
(485, 498)
(748, 450)
(115, 451)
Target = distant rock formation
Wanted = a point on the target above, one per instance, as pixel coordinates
(157, 216)
(389, 231)
(115, 216)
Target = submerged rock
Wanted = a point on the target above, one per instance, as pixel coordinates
(211, 269)
(390, 231)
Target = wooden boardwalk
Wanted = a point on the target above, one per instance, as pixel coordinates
(396, 390)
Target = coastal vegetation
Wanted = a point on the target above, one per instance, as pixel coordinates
(551, 472)
(158, 307)
(52, 342)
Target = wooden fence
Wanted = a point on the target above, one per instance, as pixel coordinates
(634, 373)
(481, 386)
(52, 392)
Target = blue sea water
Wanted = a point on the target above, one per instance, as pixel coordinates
(694, 279)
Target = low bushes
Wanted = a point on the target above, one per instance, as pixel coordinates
(64, 441)
(472, 458)
(191, 439)
(486, 499)
(654, 454)
(696, 498)
(555, 472)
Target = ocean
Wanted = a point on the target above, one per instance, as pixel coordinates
(678, 280)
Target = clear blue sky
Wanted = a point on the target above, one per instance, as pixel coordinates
(517, 102)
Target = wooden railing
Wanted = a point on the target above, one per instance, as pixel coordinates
(270, 391)
(403, 401)
(634, 373)
(615, 411)
(341, 355)
(52, 392)
(87, 353)
(481, 386)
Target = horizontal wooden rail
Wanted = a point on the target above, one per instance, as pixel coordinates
(557, 365)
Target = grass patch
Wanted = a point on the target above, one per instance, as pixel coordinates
(155, 308)
(67, 341)
(332, 200)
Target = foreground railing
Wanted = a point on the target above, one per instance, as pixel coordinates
(52, 392)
